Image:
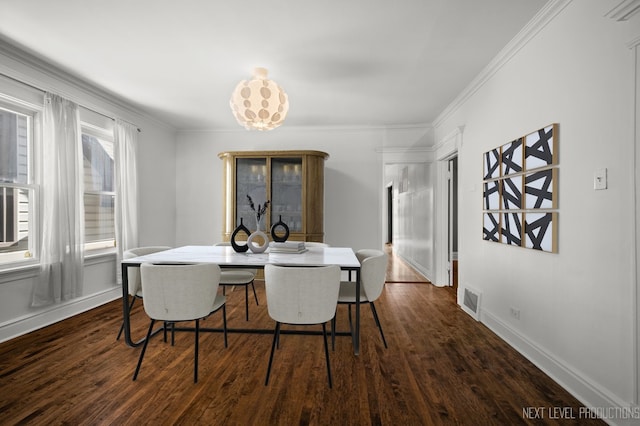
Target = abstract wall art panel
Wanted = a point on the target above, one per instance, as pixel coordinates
(491, 195)
(491, 227)
(520, 191)
(491, 164)
(540, 148)
(511, 193)
(512, 157)
(511, 229)
(540, 231)
(540, 189)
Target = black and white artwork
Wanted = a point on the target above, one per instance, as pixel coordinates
(540, 231)
(491, 226)
(511, 158)
(491, 195)
(520, 191)
(511, 229)
(540, 148)
(491, 164)
(511, 193)
(539, 189)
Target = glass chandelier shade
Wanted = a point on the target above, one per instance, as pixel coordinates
(259, 103)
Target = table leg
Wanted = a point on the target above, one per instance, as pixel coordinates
(356, 342)
(125, 306)
(126, 320)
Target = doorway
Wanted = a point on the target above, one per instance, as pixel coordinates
(452, 221)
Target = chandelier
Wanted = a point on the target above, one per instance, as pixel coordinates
(259, 103)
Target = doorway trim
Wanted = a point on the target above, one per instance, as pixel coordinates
(447, 149)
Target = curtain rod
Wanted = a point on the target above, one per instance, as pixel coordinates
(46, 91)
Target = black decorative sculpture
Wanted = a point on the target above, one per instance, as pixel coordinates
(240, 228)
(275, 236)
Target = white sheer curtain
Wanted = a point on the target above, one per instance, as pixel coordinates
(126, 140)
(62, 244)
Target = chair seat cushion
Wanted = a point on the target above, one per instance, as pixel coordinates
(231, 277)
(348, 292)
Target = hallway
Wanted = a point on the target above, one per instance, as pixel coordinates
(398, 271)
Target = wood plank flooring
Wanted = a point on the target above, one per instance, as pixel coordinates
(441, 368)
(398, 271)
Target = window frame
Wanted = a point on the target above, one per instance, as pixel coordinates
(102, 246)
(30, 255)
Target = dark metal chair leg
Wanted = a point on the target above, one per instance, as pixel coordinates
(254, 293)
(195, 359)
(276, 336)
(375, 317)
(246, 302)
(333, 332)
(144, 348)
(326, 352)
(224, 323)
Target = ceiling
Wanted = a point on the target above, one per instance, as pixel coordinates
(342, 63)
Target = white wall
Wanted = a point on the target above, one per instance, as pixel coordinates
(577, 307)
(157, 185)
(354, 181)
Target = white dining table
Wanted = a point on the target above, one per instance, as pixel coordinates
(226, 257)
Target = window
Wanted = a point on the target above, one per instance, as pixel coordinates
(99, 188)
(17, 192)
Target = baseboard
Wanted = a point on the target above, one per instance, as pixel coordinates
(50, 315)
(425, 272)
(599, 400)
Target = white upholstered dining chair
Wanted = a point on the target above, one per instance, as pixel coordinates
(133, 275)
(301, 296)
(239, 277)
(175, 293)
(373, 272)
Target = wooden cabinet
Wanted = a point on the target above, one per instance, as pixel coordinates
(292, 182)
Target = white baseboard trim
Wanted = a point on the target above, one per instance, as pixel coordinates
(52, 314)
(598, 399)
(419, 268)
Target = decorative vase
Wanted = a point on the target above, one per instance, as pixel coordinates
(241, 228)
(275, 236)
(254, 246)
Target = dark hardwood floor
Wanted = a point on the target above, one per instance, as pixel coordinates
(441, 367)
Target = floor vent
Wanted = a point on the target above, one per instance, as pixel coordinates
(471, 302)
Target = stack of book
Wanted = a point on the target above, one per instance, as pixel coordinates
(287, 247)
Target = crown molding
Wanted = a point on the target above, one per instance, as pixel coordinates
(317, 128)
(403, 149)
(30, 70)
(541, 20)
(633, 43)
(624, 10)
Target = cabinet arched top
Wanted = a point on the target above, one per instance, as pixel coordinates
(283, 153)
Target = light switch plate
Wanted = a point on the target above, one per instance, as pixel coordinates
(600, 179)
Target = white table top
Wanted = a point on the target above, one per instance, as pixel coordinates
(226, 256)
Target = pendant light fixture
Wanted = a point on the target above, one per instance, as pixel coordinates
(259, 103)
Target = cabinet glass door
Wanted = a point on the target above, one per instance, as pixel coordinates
(251, 181)
(286, 192)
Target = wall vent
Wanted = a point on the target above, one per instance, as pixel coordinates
(471, 302)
